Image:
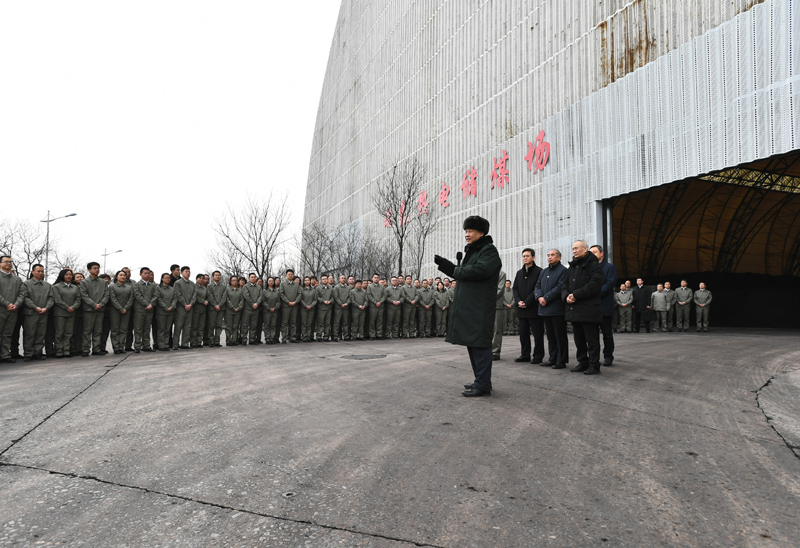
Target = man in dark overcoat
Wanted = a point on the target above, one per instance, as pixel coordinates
(472, 313)
(551, 309)
(581, 292)
(528, 309)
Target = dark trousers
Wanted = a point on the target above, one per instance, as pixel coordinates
(528, 327)
(557, 342)
(481, 360)
(608, 338)
(587, 343)
(637, 321)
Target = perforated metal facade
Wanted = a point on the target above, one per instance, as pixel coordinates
(630, 95)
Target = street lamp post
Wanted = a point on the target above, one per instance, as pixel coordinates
(49, 220)
(106, 253)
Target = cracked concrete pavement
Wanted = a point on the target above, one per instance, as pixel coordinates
(688, 440)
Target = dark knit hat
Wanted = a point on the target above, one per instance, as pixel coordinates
(476, 223)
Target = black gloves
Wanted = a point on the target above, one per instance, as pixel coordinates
(444, 265)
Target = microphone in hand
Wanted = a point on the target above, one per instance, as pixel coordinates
(459, 256)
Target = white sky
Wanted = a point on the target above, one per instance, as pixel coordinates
(148, 118)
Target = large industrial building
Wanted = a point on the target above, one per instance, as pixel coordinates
(667, 131)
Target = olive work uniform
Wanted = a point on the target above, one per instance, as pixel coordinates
(121, 297)
(187, 291)
(290, 293)
(94, 291)
(65, 296)
(145, 293)
(37, 295)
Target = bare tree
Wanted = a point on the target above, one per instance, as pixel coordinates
(423, 224)
(251, 238)
(66, 259)
(24, 243)
(315, 248)
(394, 197)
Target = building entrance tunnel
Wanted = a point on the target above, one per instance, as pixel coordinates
(737, 230)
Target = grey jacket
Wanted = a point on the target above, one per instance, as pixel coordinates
(702, 296)
(145, 294)
(290, 291)
(425, 297)
(186, 290)
(624, 297)
(659, 301)
(217, 295)
(167, 298)
(121, 296)
(395, 294)
(201, 297)
(442, 299)
(271, 299)
(684, 295)
(64, 297)
(375, 294)
(37, 294)
(324, 294)
(341, 295)
(409, 294)
(308, 297)
(357, 298)
(235, 299)
(94, 291)
(12, 290)
(500, 304)
(252, 294)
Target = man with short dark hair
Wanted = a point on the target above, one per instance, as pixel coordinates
(217, 296)
(394, 298)
(12, 297)
(702, 301)
(641, 305)
(358, 306)
(253, 295)
(581, 291)
(683, 302)
(606, 303)
(199, 311)
(426, 304)
(341, 312)
(186, 291)
(290, 296)
(145, 301)
(528, 309)
(94, 296)
(376, 298)
(409, 322)
(38, 301)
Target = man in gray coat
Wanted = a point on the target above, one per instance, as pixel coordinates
(499, 317)
(12, 297)
(253, 294)
(341, 310)
(187, 293)
(94, 297)
(290, 297)
(217, 300)
(38, 301)
(684, 297)
(376, 298)
(552, 309)
(702, 301)
(145, 300)
(672, 299)
(624, 300)
(659, 303)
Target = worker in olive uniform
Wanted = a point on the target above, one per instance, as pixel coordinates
(684, 297)
(94, 297)
(624, 300)
(120, 297)
(341, 311)
(290, 297)
(252, 294)
(12, 297)
(271, 302)
(499, 316)
(186, 291)
(426, 304)
(167, 303)
(38, 301)
(395, 297)
(308, 304)
(234, 302)
(66, 302)
(324, 307)
(357, 301)
(217, 295)
(376, 298)
(442, 299)
(659, 305)
(145, 303)
(508, 304)
(472, 315)
(200, 311)
(672, 299)
(702, 301)
(409, 326)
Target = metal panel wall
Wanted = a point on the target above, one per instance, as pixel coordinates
(630, 94)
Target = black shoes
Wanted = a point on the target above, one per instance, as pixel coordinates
(475, 393)
(592, 371)
(580, 368)
(536, 361)
(495, 357)
(136, 351)
(547, 364)
(521, 359)
(469, 386)
(559, 366)
(8, 360)
(608, 362)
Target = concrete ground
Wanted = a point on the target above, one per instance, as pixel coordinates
(688, 440)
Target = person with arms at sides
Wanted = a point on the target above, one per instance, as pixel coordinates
(94, 297)
(167, 303)
(659, 304)
(510, 312)
(187, 291)
(684, 299)
(528, 309)
(66, 302)
(76, 343)
(106, 331)
(499, 317)
(12, 299)
(606, 303)
(472, 314)
(442, 300)
(121, 297)
(132, 313)
(145, 303)
(260, 323)
(252, 295)
(290, 297)
(581, 292)
(641, 305)
(376, 298)
(271, 302)
(394, 299)
(200, 311)
(233, 311)
(426, 303)
(672, 300)
(217, 296)
(308, 300)
(38, 301)
(552, 309)
(324, 298)
(341, 314)
(409, 322)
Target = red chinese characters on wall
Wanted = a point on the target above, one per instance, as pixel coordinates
(500, 172)
(538, 154)
(443, 194)
(422, 203)
(469, 183)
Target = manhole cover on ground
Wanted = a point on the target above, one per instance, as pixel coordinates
(364, 357)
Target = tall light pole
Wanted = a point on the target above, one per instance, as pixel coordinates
(106, 253)
(49, 220)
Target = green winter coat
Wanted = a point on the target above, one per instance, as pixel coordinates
(472, 312)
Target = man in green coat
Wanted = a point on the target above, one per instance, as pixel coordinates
(472, 314)
(217, 301)
(252, 293)
(145, 301)
(186, 290)
(38, 301)
(94, 297)
(290, 297)
(376, 298)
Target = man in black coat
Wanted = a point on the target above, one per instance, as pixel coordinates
(551, 309)
(606, 303)
(528, 309)
(581, 292)
(472, 313)
(641, 305)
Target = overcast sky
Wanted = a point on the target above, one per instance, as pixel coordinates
(148, 118)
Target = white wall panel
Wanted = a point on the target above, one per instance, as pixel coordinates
(631, 94)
